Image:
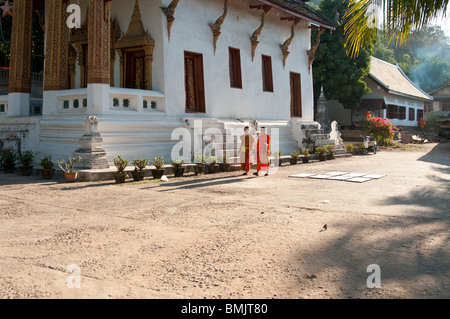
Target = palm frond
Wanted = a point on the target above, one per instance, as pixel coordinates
(398, 18)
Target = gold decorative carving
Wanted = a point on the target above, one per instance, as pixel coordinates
(311, 52)
(169, 12)
(56, 72)
(136, 39)
(99, 55)
(256, 34)
(21, 47)
(285, 46)
(216, 27)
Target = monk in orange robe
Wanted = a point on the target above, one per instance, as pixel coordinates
(247, 144)
(263, 152)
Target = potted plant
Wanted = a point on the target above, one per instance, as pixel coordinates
(178, 168)
(159, 170)
(224, 166)
(322, 151)
(294, 157)
(350, 148)
(277, 156)
(48, 169)
(330, 154)
(306, 156)
(199, 169)
(120, 176)
(139, 169)
(8, 159)
(26, 158)
(213, 167)
(69, 168)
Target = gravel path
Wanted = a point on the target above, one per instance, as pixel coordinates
(232, 236)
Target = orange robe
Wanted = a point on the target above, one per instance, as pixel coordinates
(263, 152)
(247, 144)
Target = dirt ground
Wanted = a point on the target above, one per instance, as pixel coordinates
(233, 236)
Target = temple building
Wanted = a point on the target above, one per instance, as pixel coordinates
(146, 67)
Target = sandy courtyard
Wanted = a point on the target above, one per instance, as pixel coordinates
(232, 236)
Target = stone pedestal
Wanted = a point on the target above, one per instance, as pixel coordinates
(92, 154)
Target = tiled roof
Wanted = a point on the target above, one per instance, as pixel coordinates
(300, 9)
(392, 78)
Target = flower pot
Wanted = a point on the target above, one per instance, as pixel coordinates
(224, 167)
(322, 157)
(330, 156)
(293, 161)
(120, 177)
(8, 168)
(26, 170)
(158, 173)
(71, 177)
(213, 168)
(305, 160)
(47, 173)
(178, 171)
(199, 169)
(138, 175)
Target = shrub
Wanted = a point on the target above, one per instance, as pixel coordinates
(69, 166)
(321, 150)
(26, 158)
(47, 163)
(381, 130)
(330, 149)
(431, 123)
(158, 162)
(178, 163)
(120, 164)
(140, 164)
(295, 154)
(350, 148)
(305, 152)
(8, 157)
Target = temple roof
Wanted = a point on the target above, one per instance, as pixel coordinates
(394, 80)
(300, 9)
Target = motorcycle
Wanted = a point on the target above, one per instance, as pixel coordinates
(369, 146)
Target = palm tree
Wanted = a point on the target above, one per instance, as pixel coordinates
(396, 18)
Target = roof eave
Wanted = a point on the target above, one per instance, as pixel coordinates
(298, 15)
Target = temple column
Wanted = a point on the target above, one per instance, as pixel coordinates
(99, 56)
(56, 71)
(19, 89)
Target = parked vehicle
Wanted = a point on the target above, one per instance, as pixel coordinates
(369, 145)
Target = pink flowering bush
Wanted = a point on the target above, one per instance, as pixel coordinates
(381, 130)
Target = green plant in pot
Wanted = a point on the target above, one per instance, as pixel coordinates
(178, 168)
(48, 168)
(8, 159)
(360, 148)
(68, 167)
(159, 170)
(322, 153)
(306, 156)
(212, 165)
(350, 149)
(139, 169)
(331, 151)
(121, 164)
(199, 160)
(225, 165)
(26, 158)
(294, 157)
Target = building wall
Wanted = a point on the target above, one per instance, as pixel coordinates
(191, 32)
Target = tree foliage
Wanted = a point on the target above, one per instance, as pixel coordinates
(341, 75)
(397, 19)
(425, 59)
